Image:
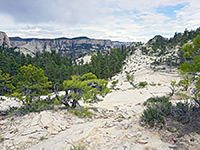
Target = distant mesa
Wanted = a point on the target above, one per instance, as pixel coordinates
(72, 47)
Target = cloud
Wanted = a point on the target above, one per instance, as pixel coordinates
(37, 11)
(124, 20)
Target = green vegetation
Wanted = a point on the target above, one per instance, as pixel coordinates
(86, 87)
(82, 113)
(78, 147)
(172, 130)
(143, 84)
(5, 83)
(2, 139)
(34, 107)
(191, 68)
(59, 68)
(172, 87)
(31, 84)
(130, 78)
(152, 100)
(157, 109)
(114, 83)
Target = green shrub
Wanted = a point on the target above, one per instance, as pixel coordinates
(152, 84)
(56, 102)
(2, 139)
(77, 147)
(173, 130)
(156, 100)
(157, 109)
(183, 96)
(181, 112)
(152, 116)
(114, 83)
(82, 113)
(143, 84)
(34, 107)
(198, 132)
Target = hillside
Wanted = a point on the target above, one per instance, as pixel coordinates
(74, 47)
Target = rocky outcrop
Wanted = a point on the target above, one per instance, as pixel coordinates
(74, 47)
(4, 40)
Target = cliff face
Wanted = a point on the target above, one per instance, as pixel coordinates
(71, 47)
(4, 40)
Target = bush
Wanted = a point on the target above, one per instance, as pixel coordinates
(82, 113)
(181, 112)
(143, 84)
(152, 116)
(157, 109)
(77, 148)
(34, 107)
(156, 100)
(114, 83)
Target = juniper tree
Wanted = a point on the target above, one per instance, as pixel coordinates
(86, 87)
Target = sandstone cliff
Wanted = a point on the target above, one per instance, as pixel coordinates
(4, 40)
(74, 47)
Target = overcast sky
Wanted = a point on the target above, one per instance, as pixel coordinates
(122, 20)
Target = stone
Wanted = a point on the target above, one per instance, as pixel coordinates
(173, 146)
(38, 135)
(142, 141)
(132, 134)
(28, 131)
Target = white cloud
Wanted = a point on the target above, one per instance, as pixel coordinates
(124, 20)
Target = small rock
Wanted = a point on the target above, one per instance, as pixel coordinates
(55, 133)
(142, 141)
(29, 131)
(173, 146)
(38, 135)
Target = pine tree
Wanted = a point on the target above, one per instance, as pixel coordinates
(6, 86)
(32, 83)
(191, 68)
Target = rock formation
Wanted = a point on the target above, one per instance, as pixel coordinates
(74, 47)
(4, 40)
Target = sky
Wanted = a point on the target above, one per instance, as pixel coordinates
(117, 20)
